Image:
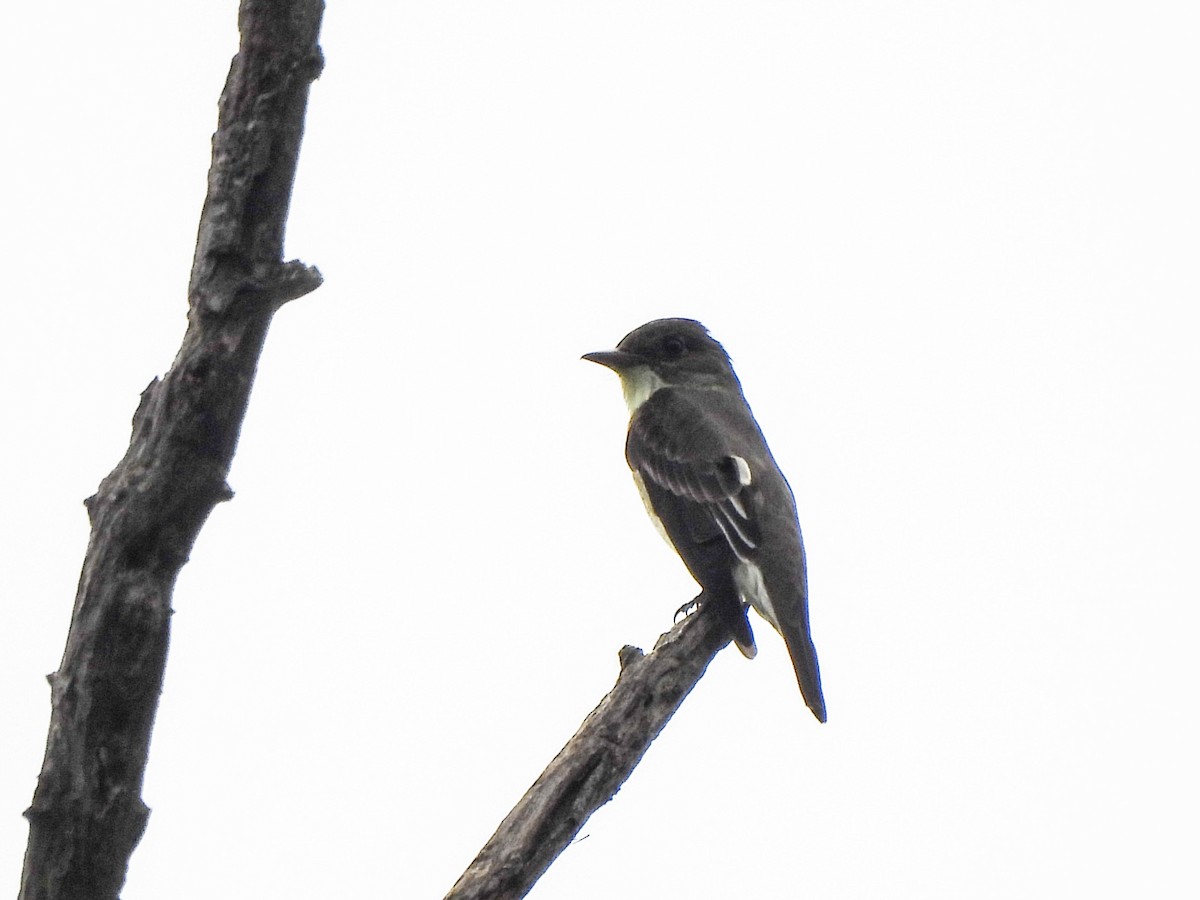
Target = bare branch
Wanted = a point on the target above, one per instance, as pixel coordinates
(593, 765)
(87, 813)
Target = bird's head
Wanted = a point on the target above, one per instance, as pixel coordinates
(667, 353)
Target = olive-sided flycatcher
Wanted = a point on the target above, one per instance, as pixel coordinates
(712, 487)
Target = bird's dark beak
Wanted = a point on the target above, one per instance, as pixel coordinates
(617, 360)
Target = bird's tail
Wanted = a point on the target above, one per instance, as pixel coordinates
(808, 672)
(782, 599)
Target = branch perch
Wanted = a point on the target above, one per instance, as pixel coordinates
(87, 813)
(593, 765)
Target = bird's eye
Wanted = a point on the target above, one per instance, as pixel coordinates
(673, 346)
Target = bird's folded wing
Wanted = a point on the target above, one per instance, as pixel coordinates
(674, 444)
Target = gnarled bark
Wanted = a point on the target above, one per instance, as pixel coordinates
(87, 813)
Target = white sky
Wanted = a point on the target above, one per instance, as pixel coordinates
(952, 250)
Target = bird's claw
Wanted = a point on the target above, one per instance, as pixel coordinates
(687, 609)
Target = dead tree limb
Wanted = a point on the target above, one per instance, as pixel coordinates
(593, 765)
(87, 813)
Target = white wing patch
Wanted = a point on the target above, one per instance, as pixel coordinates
(743, 470)
(638, 384)
(748, 578)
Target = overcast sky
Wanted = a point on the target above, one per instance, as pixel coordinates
(951, 248)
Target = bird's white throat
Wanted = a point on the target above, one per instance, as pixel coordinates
(638, 384)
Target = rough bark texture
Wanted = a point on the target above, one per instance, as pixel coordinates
(87, 813)
(593, 765)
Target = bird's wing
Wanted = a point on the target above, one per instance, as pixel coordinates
(675, 445)
(707, 495)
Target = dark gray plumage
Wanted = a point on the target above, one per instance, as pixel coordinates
(708, 477)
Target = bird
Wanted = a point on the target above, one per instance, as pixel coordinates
(712, 487)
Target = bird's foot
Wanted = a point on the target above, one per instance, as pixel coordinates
(688, 608)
